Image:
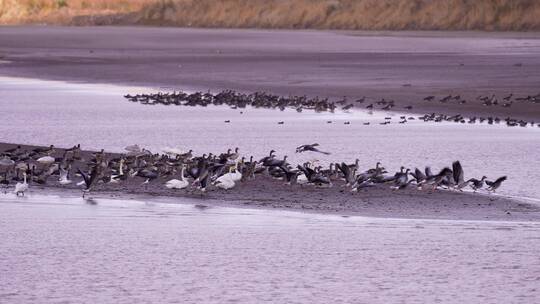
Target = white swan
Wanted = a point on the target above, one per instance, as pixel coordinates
(46, 160)
(235, 176)
(20, 188)
(225, 181)
(178, 183)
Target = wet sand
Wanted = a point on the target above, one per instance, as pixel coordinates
(402, 66)
(268, 193)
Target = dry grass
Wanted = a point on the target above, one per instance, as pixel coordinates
(517, 15)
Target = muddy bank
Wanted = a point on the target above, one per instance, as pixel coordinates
(405, 67)
(269, 193)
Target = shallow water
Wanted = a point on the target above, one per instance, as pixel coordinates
(97, 116)
(63, 249)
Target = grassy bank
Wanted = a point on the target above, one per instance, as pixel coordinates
(491, 15)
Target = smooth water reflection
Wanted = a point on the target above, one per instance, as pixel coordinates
(61, 249)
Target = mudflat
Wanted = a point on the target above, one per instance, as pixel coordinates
(266, 192)
(404, 66)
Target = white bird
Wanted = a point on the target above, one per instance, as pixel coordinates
(302, 179)
(227, 180)
(178, 183)
(46, 160)
(64, 180)
(224, 182)
(236, 176)
(20, 188)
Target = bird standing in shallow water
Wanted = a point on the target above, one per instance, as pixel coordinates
(20, 188)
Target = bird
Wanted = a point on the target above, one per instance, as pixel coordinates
(20, 188)
(64, 177)
(492, 186)
(457, 174)
(178, 183)
(46, 160)
(477, 183)
(225, 181)
(89, 179)
(304, 148)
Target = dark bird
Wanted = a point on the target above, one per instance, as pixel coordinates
(89, 179)
(496, 184)
(304, 148)
(477, 183)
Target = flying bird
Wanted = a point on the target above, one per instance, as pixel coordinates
(304, 148)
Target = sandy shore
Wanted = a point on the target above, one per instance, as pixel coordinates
(404, 66)
(268, 193)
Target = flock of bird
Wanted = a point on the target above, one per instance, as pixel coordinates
(181, 170)
(237, 100)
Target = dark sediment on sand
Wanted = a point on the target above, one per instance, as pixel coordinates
(266, 192)
(405, 67)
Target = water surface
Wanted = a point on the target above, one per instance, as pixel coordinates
(63, 249)
(97, 116)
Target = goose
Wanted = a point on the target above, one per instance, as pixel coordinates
(401, 185)
(272, 162)
(401, 179)
(457, 174)
(20, 188)
(496, 184)
(270, 156)
(433, 181)
(477, 184)
(418, 175)
(148, 174)
(178, 183)
(349, 173)
(304, 148)
(89, 179)
(48, 150)
(13, 150)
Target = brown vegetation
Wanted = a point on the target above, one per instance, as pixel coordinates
(492, 15)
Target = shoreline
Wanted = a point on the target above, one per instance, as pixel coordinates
(474, 206)
(264, 192)
(250, 61)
